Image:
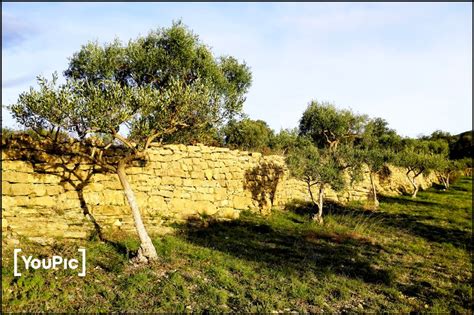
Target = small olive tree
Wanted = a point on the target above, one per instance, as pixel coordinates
(375, 150)
(318, 168)
(420, 157)
(325, 150)
(156, 86)
(448, 170)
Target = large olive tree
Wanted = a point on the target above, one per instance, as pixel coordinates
(130, 95)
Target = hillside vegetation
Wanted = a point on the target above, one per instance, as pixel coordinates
(410, 255)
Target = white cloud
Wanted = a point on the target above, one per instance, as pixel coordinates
(410, 64)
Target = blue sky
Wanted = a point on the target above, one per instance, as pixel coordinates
(410, 64)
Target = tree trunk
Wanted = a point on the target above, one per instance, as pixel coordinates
(442, 179)
(447, 182)
(319, 216)
(416, 186)
(374, 191)
(147, 251)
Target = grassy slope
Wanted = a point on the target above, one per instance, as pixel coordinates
(409, 255)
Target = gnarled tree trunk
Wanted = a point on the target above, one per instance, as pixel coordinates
(414, 182)
(318, 217)
(147, 251)
(415, 185)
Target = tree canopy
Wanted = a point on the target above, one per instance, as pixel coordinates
(248, 134)
(154, 87)
(328, 126)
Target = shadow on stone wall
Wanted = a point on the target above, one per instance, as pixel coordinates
(262, 182)
(54, 159)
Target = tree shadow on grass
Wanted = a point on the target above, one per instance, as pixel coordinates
(285, 249)
(405, 201)
(410, 222)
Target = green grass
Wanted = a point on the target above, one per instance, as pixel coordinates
(410, 255)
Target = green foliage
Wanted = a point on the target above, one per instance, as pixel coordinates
(315, 166)
(460, 146)
(421, 156)
(377, 145)
(463, 147)
(248, 134)
(328, 126)
(158, 85)
(285, 140)
(159, 60)
(449, 171)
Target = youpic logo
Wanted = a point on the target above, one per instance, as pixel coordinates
(24, 262)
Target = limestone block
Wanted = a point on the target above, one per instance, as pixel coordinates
(157, 202)
(16, 177)
(114, 197)
(161, 192)
(109, 210)
(174, 181)
(20, 189)
(224, 203)
(10, 201)
(208, 174)
(220, 193)
(175, 171)
(142, 199)
(181, 205)
(189, 182)
(181, 194)
(197, 174)
(94, 198)
(205, 207)
(194, 148)
(94, 186)
(202, 196)
(205, 149)
(4, 224)
(241, 202)
(228, 213)
(68, 200)
(45, 201)
(54, 190)
(18, 166)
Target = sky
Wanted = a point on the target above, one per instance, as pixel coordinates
(409, 63)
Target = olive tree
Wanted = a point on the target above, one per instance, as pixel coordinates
(376, 150)
(328, 126)
(318, 168)
(420, 157)
(448, 170)
(153, 87)
(325, 149)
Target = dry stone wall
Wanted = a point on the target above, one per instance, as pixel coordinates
(58, 196)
